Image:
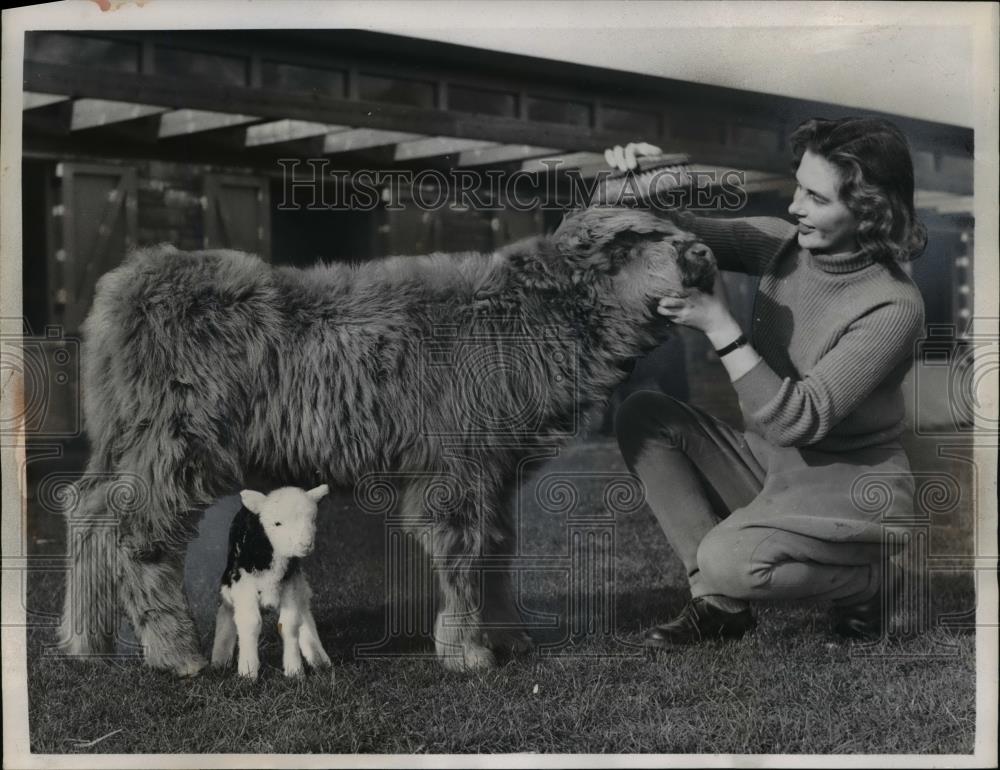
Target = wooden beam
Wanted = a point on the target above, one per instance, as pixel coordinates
(565, 161)
(33, 100)
(90, 113)
(288, 131)
(503, 153)
(274, 104)
(433, 146)
(185, 122)
(278, 105)
(362, 139)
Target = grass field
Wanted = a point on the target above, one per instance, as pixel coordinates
(790, 687)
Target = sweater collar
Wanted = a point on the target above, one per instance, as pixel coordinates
(844, 262)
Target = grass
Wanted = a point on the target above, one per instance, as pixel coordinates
(790, 687)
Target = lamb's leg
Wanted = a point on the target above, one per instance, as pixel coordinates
(289, 624)
(312, 647)
(246, 610)
(225, 636)
(152, 587)
(90, 606)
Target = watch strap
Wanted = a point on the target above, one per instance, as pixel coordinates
(737, 343)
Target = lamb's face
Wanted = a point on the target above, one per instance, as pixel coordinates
(288, 516)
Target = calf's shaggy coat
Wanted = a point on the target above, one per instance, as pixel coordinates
(269, 536)
(441, 372)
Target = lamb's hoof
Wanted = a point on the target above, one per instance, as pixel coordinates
(471, 657)
(221, 662)
(248, 670)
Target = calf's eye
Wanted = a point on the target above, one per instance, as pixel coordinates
(277, 523)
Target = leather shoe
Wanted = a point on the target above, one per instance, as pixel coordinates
(867, 620)
(699, 621)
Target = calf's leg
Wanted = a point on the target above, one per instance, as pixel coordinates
(90, 605)
(151, 581)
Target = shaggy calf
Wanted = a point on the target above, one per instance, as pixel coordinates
(438, 375)
(268, 537)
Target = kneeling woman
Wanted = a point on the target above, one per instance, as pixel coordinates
(776, 512)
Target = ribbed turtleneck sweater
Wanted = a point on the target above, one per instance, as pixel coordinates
(835, 334)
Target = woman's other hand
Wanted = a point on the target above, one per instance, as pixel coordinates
(706, 312)
(624, 158)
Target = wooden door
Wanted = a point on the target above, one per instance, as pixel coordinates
(238, 214)
(98, 229)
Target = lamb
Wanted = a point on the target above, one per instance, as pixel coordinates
(267, 539)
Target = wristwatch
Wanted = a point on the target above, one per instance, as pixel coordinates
(734, 345)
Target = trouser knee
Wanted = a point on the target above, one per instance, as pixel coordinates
(726, 563)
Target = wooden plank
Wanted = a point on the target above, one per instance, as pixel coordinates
(186, 122)
(288, 131)
(364, 138)
(503, 153)
(433, 146)
(34, 100)
(91, 113)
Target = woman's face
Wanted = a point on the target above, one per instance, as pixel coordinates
(825, 223)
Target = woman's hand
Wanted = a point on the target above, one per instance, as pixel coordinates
(624, 158)
(706, 312)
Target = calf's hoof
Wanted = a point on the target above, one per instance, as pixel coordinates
(294, 670)
(509, 641)
(190, 668)
(83, 646)
(180, 663)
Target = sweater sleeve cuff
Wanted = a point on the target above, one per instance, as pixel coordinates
(757, 387)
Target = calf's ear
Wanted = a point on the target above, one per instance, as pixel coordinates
(252, 501)
(318, 493)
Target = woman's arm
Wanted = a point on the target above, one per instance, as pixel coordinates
(800, 412)
(743, 244)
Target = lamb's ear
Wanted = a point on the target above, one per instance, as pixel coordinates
(318, 493)
(252, 501)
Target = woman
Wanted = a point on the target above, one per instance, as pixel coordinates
(784, 510)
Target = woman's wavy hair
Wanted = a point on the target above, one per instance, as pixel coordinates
(876, 171)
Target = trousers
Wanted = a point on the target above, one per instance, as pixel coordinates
(752, 521)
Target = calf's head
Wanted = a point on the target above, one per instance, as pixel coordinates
(288, 516)
(640, 255)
